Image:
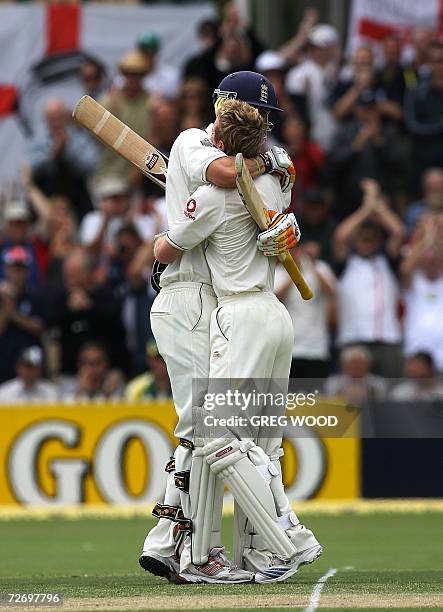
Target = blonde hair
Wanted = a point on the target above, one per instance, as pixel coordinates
(241, 128)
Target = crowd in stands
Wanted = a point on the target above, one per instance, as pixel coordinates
(366, 135)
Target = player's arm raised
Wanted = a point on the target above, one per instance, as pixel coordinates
(221, 171)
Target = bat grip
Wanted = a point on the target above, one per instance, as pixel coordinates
(293, 271)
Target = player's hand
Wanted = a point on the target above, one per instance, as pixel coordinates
(281, 236)
(278, 162)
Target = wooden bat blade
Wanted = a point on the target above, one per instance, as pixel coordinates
(120, 138)
(259, 212)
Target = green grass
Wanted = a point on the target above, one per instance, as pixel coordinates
(379, 554)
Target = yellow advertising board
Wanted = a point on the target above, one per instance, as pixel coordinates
(115, 453)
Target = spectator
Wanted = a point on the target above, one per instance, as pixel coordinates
(80, 311)
(391, 78)
(422, 274)
(416, 57)
(127, 273)
(93, 77)
(367, 289)
(208, 39)
(95, 380)
(21, 310)
(311, 82)
(162, 79)
(130, 103)
(164, 125)
(316, 222)
(422, 383)
(310, 355)
(431, 202)
(353, 81)
(195, 103)
(99, 228)
(18, 232)
(153, 384)
(308, 156)
(149, 215)
(423, 113)
(355, 383)
(28, 386)
(55, 225)
(63, 158)
(363, 147)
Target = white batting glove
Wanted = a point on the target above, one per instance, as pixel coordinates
(281, 236)
(278, 162)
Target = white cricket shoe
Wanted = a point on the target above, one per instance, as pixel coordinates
(165, 567)
(217, 570)
(308, 550)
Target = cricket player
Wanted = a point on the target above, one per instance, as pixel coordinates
(243, 280)
(180, 320)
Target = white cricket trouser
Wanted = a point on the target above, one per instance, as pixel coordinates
(252, 338)
(180, 320)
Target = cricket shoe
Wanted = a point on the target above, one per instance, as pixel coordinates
(308, 550)
(218, 570)
(165, 567)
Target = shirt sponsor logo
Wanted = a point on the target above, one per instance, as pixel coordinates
(191, 205)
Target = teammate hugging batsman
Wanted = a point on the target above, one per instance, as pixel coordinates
(205, 230)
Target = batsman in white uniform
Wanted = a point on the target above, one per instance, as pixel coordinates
(180, 320)
(251, 337)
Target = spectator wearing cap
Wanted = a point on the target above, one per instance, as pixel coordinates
(422, 276)
(28, 386)
(21, 310)
(130, 103)
(311, 82)
(367, 289)
(311, 348)
(162, 79)
(315, 217)
(99, 228)
(63, 157)
(423, 116)
(153, 384)
(421, 382)
(355, 383)
(431, 202)
(17, 231)
(364, 148)
(95, 379)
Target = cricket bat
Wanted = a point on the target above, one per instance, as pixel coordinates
(258, 211)
(120, 138)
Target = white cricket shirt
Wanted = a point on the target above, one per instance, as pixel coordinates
(217, 217)
(191, 154)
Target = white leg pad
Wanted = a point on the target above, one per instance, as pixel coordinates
(206, 496)
(250, 488)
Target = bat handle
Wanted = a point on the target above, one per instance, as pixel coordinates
(293, 271)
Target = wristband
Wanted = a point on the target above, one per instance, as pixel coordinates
(267, 162)
(157, 236)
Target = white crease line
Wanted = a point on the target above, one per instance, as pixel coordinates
(316, 591)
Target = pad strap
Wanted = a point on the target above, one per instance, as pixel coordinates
(181, 480)
(186, 443)
(165, 511)
(170, 466)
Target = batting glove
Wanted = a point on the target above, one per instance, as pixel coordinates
(281, 236)
(278, 163)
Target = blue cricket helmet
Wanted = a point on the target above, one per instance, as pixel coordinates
(250, 87)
